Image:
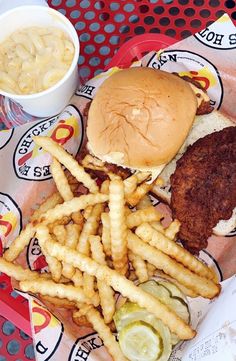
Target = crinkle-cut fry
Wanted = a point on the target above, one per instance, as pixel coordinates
(136, 218)
(67, 160)
(72, 235)
(77, 278)
(49, 203)
(16, 271)
(106, 235)
(132, 182)
(132, 276)
(158, 227)
(83, 309)
(90, 161)
(151, 269)
(97, 249)
(89, 285)
(106, 335)
(62, 222)
(53, 289)
(105, 187)
(60, 233)
(19, 243)
(187, 291)
(139, 266)
(106, 293)
(144, 202)
(118, 226)
(59, 302)
(87, 212)
(90, 228)
(55, 266)
(78, 219)
(172, 230)
(138, 194)
(113, 176)
(121, 284)
(174, 250)
(60, 180)
(203, 286)
(69, 207)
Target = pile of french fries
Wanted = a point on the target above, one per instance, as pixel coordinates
(98, 243)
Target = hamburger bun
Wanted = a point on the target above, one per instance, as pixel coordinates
(140, 117)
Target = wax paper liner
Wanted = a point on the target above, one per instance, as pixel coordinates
(209, 57)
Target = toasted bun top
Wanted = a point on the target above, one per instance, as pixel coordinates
(140, 117)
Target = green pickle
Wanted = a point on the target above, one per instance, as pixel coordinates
(142, 337)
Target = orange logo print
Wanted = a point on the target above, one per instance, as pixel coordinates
(203, 76)
(8, 223)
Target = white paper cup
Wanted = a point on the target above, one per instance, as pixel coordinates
(53, 100)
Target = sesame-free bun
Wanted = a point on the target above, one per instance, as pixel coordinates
(140, 117)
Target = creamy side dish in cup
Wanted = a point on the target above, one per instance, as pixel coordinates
(39, 51)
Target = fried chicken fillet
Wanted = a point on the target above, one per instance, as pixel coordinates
(203, 187)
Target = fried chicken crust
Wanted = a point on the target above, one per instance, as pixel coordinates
(203, 187)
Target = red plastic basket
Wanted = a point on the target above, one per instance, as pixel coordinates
(103, 28)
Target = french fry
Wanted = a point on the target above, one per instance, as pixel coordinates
(151, 269)
(121, 284)
(91, 162)
(87, 212)
(138, 194)
(71, 240)
(61, 180)
(149, 214)
(90, 228)
(16, 271)
(69, 207)
(55, 266)
(144, 202)
(158, 227)
(132, 182)
(106, 235)
(203, 286)
(59, 222)
(118, 227)
(49, 203)
(171, 248)
(78, 219)
(89, 285)
(139, 266)
(104, 332)
(77, 278)
(50, 288)
(19, 243)
(173, 229)
(60, 233)
(187, 291)
(59, 302)
(105, 187)
(67, 160)
(81, 321)
(106, 293)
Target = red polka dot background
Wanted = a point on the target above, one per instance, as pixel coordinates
(104, 25)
